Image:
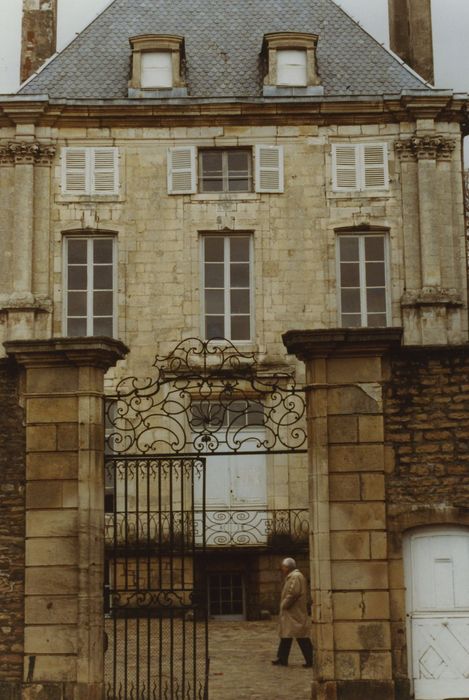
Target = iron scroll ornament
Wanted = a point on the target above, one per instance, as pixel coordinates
(207, 397)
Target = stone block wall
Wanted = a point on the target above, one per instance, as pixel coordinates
(427, 411)
(426, 419)
(12, 526)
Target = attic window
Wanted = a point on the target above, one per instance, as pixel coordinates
(157, 64)
(290, 59)
(157, 69)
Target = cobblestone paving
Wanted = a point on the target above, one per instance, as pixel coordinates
(241, 669)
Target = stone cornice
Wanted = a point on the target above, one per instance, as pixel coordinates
(83, 352)
(26, 152)
(340, 342)
(186, 111)
(425, 148)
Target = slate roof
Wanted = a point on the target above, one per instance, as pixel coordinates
(223, 40)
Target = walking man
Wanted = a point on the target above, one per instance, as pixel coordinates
(293, 617)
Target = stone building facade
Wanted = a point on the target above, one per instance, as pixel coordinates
(184, 180)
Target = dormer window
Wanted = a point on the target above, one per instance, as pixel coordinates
(157, 66)
(157, 69)
(291, 67)
(290, 62)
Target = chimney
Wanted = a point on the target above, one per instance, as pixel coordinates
(38, 34)
(410, 30)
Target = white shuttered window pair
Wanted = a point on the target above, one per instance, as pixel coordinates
(362, 166)
(90, 170)
(182, 171)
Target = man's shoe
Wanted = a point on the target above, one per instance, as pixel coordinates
(308, 665)
(279, 662)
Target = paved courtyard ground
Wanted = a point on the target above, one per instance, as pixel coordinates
(241, 669)
(148, 665)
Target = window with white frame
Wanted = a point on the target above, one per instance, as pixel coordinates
(90, 170)
(291, 67)
(222, 170)
(227, 286)
(89, 285)
(360, 166)
(157, 69)
(225, 170)
(363, 279)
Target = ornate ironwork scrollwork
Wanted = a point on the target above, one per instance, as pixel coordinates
(207, 397)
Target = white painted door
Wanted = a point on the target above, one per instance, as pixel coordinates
(437, 577)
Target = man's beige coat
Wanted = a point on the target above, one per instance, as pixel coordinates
(293, 617)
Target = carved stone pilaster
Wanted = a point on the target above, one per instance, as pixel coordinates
(425, 148)
(27, 152)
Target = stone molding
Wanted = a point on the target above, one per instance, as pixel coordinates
(339, 342)
(82, 352)
(425, 148)
(26, 302)
(27, 152)
(431, 296)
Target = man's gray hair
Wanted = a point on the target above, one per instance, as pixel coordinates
(289, 563)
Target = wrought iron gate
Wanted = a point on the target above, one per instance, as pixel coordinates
(205, 401)
(156, 613)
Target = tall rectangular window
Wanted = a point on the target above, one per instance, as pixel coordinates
(227, 273)
(362, 261)
(90, 285)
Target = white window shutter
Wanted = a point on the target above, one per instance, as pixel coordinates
(182, 170)
(74, 171)
(375, 166)
(345, 167)
(269, 169)
(104, 170)
(157, 71)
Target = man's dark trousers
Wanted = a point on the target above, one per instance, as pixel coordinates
(285, 646)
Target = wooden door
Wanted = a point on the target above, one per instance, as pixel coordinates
(437, 578)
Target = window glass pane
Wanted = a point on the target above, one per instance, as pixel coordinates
(102, 275)
(77, 277)
(103, 250)
(214, 249)
(240, 301)
(214, 327)
(376, 300)
(102, 326)
(240, 328)
(239, 185)
(77, 250)
(351, 320)
(239, 275)
(76, 326)
(214, 275)
(348, 248)
(212, 185)
(214, 301)
(238, 162)
(255, 413)
(377, 320)
(76, 303)
(350, 301)
(212, 163)
(239, 249)
(102, 303)
(375, 275)
(350, 275)
(374, 247)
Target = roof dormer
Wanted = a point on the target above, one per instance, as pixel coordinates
(291, 69)
(157, 66)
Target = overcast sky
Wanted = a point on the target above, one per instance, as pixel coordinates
(450, 28)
